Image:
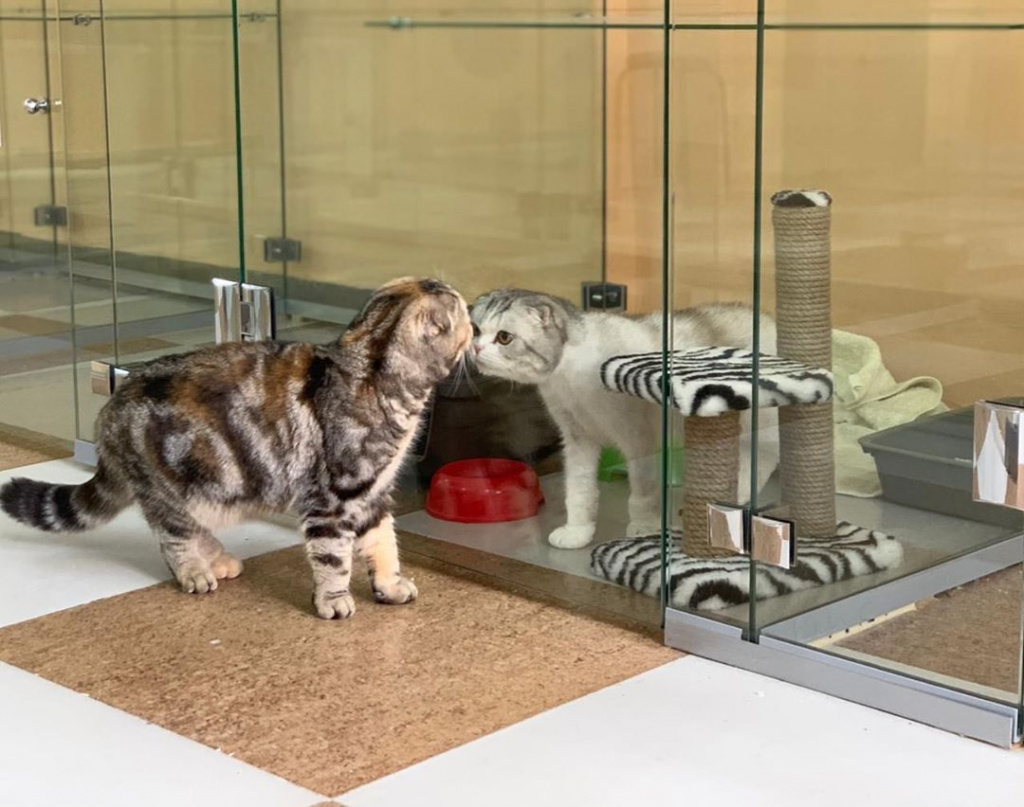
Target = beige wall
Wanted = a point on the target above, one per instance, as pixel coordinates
(918, 137)
(25, 153)
(473, 154)
(476, 155)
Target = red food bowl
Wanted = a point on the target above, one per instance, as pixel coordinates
(483, 491)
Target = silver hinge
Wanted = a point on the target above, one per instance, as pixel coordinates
(767, 539)
(50, 216)
(998, 453)
(604, 296)
(243, 312)
(280, 250)
(106, 378)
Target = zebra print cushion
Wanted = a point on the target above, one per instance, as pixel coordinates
(711, 380)
(712, 583)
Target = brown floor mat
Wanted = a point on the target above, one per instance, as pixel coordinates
(20, 447)
(329, 705)
(972, 633)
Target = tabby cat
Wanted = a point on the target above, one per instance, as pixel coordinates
(534, 338)
(202, 439)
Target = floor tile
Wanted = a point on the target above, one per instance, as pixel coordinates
(329, 704)
(694, 732)
(61, 748)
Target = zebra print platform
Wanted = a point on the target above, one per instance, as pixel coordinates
(711, 380)
(712, 583)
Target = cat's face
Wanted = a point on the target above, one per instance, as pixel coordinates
(518, 335)
(423, 323)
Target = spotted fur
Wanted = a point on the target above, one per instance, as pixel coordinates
(203, 439)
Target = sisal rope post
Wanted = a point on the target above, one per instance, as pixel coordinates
(712, 470)
(803, 300)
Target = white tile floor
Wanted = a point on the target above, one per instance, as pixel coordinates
(696, 732)
(60, 749)
(690, 730)
(45, 572)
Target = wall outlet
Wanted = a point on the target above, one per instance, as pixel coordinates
(604, 297)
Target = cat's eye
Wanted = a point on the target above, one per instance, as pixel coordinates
(504, 337)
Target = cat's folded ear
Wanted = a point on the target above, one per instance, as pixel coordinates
(432, 322)
(546, 313)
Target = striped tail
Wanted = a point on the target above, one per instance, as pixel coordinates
(64, 508)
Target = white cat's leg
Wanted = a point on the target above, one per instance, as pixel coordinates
(580, 458)
(767, 451)
(767, 446)
(644, 496)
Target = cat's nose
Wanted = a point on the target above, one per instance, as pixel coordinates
(477, 348)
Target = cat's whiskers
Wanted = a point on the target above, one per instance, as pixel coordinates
(465, 374)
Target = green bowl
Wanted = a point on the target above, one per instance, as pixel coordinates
(612, 466)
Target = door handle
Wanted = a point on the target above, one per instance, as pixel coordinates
(33, 106)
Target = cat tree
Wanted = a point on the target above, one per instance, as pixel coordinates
(711, 386)
(803, 301)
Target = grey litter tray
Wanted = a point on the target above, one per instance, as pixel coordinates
(927, 464)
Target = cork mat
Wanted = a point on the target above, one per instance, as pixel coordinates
(329, 705)
(972, 633)
(19, 447)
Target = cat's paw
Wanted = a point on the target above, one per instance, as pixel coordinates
(572, 536)
(398, 592)
(196, 577)
(334, 604)
(226, 566)
(643, 529)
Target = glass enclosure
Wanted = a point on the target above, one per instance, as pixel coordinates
(822, 356)
(902, 115)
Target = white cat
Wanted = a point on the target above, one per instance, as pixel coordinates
(534, 338)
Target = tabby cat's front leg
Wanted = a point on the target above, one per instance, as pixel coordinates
(329, 549)
(379, 548)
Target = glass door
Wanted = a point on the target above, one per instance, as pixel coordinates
(153, 187)
(902, 114)
(37, 412)
(120, 200)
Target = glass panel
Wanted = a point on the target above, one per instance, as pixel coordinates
(712, 154)
(36, 390)
(82, 116)
(470, 142)
(154, 185)
(879, 14)
(912, 132)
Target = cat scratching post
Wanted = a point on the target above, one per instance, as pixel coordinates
(803, 302)
(711, 387)
(712, 471)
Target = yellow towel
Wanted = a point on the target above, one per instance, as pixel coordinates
(868, 399)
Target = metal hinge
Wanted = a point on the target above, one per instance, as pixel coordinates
(999, 453)
(767, 539)
(243, 312)
(106, 377)
(279, 250)
(604, 296)
(50, 216)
